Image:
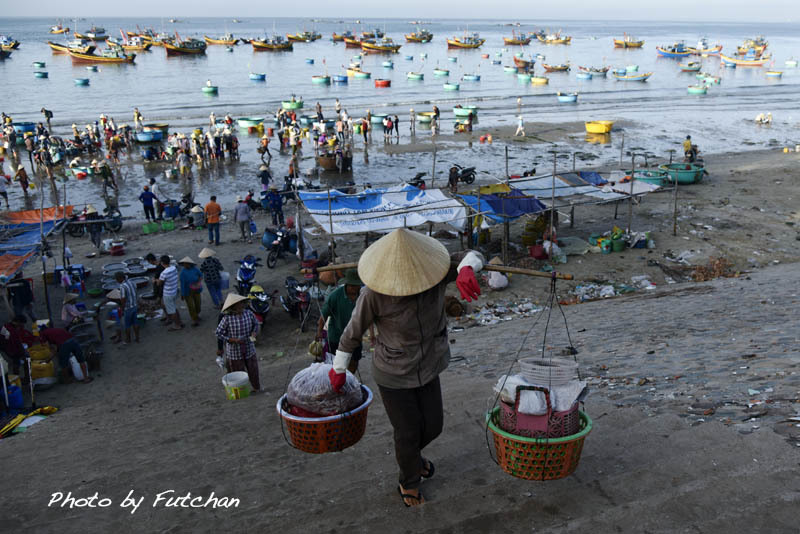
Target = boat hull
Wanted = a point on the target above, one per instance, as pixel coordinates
(373, 48)
(742, 62)
(598, 127)
(622, 43)
(261, 46)
(455, 43)
(87, 37)
(290, 105)
(632, 78)
(212, 41)
(78, 57)
(679, 172)
(176, 50)
(667, 53)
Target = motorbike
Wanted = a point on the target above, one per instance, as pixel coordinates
(112, 220)
(297, 301)
(186, 205)
(278, 247)
(259, 304)
(246, 274)
(462, 174)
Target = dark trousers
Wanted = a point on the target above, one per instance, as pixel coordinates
(416, 416)
(249, 365)
(150, 213)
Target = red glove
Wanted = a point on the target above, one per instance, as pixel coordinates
(337, 380)
(467, 284)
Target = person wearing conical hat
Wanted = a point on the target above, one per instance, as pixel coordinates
(211, 268)
(95, 228)
(191, 281)
(406, 276)
(70, 313)
(237, 330)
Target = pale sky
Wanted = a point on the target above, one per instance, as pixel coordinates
(510, 10)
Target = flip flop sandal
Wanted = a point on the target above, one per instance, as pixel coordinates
(405, 496)
(431, 469)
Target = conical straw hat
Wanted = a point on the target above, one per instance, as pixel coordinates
(232, 299)
(403, 263)
(206, 253)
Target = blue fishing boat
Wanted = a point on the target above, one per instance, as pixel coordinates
(91, 68)
(39, 64)
(150, 136)
(258, 76)
(678, 49)
(409, 58)
(310, 61)
(388, 64)
(567, 97)
(81, 81)
(582, 75)
(496, 62)
(451, 87)
(339, 78)
(471, 77)
(452, 58)
(41, 74)
(24, 127)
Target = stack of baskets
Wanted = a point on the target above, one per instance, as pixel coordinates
(540, 447)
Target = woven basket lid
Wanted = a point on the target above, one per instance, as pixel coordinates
(403, 263)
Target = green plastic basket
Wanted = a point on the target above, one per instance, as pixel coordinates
(538, 458)
(167, 226)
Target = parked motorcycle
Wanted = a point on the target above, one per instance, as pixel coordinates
(297, 301)
(259, 304)
(278, 247)
(418, 181)
(246, 274)
(462, 174)
(186, 205)
(111, 216)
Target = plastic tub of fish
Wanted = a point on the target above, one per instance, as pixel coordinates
(549, 371)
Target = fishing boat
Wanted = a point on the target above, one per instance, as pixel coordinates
(310, 61)
(227, 39)
(8, 44)
(274, 44)
(774, 73)
(465, 111)
(628, 41)
(113, 55)
(377, 118)
(791, 63)
(388, 64)
(522, 63)
(441, 72)
(384, 46)
(678, 49)
(594, 71)
(629, 77)
(91, 68)
(467, 41)
(338, 38)
(374, 34)
(94, 33)
(415, 76)
(564, 67)
(517, 39)
(758, 45)
(554, 39)
(162, 127)
(39, 64)
(692, 66)
(249, 122)
(150, 136)
(452, 59)
(210, 89)
(58, 28)
(425, 117)
(81, 81)
(539, 80)
(598, 127)
(380, 82)
(683, 173)
(339, 78)
(451, 86)
(354, 71)
(352, 42)
(523, 77)
(78, 45)
(130, 44)
(743, 62)
(567, 97)
(419, 36)
(185, 47)
(583, 75)
(471, 77)
(321, 79)
(510, 69)
(258, 76)
(41, 74)
(699, 89)
(703, 48)
(303, 37)
(496, 62)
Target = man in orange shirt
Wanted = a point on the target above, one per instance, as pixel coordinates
(213, 211)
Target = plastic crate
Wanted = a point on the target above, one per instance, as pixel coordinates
(167, 226)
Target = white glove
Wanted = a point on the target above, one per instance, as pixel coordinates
(341, 361)
(472, 259)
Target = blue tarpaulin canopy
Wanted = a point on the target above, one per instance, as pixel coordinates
(503, 208)
(21, 237)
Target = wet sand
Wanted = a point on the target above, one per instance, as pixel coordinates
(155, 418)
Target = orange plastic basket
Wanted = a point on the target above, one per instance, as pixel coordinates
(538, 458)
(319, 435)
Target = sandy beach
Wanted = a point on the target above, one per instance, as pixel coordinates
(680, 442)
